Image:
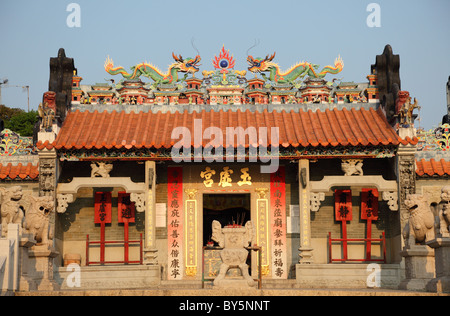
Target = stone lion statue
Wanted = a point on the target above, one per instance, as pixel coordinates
(444, 214)
(420, 226)
(37, 220)
(100, 169)
(11, 207)
(352, 167)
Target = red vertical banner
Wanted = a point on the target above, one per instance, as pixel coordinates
(126, 208)
(175, 223)
(102, 216)
(126, 214)
(103, 208)
(369, 204)
(369, 212)
(343, 213)
(278, 223)
(343, 205)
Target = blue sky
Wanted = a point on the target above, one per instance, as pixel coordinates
(317, 31)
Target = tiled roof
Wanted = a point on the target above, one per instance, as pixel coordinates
(19, 172)
(432, 168)
(329, 128)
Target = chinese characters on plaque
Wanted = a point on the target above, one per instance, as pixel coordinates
(175, 223)
(225, 177)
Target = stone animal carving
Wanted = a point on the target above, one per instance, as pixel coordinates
(11, 207)
(234, 255)
(352, 167)
(420, 227)
(444, 214)
(37, 219)
(100, 169)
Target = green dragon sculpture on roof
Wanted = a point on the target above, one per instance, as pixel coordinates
(301, 69)
(184, 65)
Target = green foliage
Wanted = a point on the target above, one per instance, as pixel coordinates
(7, 113)
(18, 120)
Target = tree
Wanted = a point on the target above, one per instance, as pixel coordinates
(22, 123)
(7, 113)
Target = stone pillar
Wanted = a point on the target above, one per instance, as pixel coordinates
(14, 232)
(150, 250)
(406, 168)
(306, 250)
(419, 268)
(26, 282)
(41, 259)
(441, 283)
(43, 256)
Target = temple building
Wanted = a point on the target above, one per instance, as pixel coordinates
(151, 173)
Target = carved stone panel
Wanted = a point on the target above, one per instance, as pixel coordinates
(47, 176)
(407, 184)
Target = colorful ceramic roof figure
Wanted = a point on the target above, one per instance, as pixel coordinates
(300, 70)
(224, 74)
(185, 65)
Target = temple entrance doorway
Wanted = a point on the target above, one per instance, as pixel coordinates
(228, 209)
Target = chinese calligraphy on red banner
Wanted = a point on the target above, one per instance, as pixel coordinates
(278, 223)
(343, 205)
(126, 208)
(369, 204)
(175, 223)
(102, 208)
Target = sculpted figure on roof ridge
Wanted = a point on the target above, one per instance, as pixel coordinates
(185, 65)
(300, 70)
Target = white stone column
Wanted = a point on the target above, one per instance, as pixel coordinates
(150, 250)
(306, 250)
(14, 232)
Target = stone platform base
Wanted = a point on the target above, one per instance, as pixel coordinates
(235, 293)
(355, 276)
(440, 285)
(235, 283)
(109, 277)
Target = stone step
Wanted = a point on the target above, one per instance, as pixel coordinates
(233, 292)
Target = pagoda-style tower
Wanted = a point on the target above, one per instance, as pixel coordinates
(167, 94)
(133, 92)
(283, 93)
(372, 90)
(77, 93)
(315, 90)
(193, 91)
(101, 93)
(348, 92)
(255, 92)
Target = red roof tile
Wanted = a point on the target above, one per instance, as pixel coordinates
(86, 130)
(432, 168)
(19, 172)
